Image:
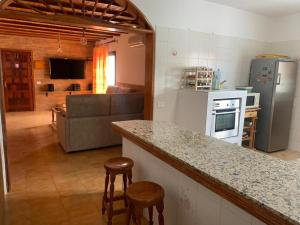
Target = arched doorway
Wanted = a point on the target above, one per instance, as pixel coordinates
(99, 19)
(104, 18)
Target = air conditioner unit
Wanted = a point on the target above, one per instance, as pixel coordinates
(136, 41)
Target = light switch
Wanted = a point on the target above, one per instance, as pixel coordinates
(39, 82)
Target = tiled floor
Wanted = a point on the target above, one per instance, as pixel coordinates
(48, 186)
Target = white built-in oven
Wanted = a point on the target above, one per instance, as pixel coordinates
(225, 118)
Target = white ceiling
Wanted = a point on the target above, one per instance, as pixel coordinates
(264, 7)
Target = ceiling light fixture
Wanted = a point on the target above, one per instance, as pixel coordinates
(83, 39)
(59, 49)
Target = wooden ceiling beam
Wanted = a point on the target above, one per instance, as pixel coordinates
(83, 7)
(107, 8)
(5, 3)
(141, 19)
(72, 7)
(94, 8)
(42, 28)
(41, 8)
(71, 21)
(21, 3)
(30, 34)
(120, 13)
(60, 6)
(100, 5)
(22, 29)
(47, 5)
(56, 26)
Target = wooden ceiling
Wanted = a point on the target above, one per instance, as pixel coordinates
(71, 19)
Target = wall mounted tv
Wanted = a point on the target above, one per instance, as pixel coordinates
(66, 68)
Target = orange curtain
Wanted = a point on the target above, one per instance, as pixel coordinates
(100, 58)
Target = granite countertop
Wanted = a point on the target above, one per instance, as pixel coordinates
(270, 182)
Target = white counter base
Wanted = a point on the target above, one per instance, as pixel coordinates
(186, 202)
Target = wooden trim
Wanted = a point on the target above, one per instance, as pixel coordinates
(254, 208)
(133, 86)
(4, 133)
(149, 76)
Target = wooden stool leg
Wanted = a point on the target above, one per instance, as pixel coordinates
(160, 209)
(150, 210)
(130, 177)
(138, 215)
(125, 188)
(129, 214)
(111, 198)
(104, 200)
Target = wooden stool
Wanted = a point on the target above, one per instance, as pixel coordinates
(116, 166)
(142, 195)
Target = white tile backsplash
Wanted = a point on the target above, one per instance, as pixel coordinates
(179, 48)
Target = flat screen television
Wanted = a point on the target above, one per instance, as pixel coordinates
(66, 68)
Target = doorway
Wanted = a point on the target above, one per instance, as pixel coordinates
(18, 80)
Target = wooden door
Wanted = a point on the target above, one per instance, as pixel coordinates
(18, 80)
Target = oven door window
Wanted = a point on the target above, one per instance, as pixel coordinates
(225, 122)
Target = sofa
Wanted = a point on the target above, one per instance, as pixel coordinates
(86, 122)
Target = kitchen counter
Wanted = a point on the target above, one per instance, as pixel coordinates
(264, 186)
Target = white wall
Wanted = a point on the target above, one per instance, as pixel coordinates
(205, 17)
(130, 65)
(284, 28)
(216, 28)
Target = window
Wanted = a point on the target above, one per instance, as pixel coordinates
(111, 69)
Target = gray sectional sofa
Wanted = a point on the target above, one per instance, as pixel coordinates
(86, 123)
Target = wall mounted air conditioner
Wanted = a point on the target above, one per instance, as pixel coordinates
(136, 41)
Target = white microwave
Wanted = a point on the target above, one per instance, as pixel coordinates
(252, 100)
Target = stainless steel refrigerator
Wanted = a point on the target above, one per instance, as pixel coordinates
(275, 80)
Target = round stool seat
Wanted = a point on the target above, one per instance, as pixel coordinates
(145, 193)
(119, 164)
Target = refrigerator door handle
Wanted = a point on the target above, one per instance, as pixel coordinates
(278, 79)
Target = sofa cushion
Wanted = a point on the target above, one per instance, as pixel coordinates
(88, 105)
(127, 103)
